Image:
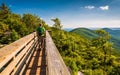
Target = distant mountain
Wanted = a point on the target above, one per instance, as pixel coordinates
(89, 34)
(115, 28)
(68, 29)
(114, 32)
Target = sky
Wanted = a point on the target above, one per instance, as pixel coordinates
(72, 13)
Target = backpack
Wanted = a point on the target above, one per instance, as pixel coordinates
(40, 30)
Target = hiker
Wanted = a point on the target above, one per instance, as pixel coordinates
(41, 36)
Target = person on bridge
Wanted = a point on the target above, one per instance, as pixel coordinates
(41, 36)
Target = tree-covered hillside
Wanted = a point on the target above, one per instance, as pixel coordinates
(115, 34)
(14, 26)
(92, 57)
(89, 34)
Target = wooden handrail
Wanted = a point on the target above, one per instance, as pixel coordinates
(55, 63)
(13, 57)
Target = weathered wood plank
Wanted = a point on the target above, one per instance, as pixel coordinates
(55, 63)
(13, 48)
(15, 52)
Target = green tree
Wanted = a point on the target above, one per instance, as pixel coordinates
(103, 44)
(57, 23)
(4, 11)
(14, 35)
(4, 39)
(3, 28)
(31, 21)
(16, 24)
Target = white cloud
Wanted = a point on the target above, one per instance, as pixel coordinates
(90, 7)
(104, 7)
(92, 24)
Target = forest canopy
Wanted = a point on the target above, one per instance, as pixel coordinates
(14, 26)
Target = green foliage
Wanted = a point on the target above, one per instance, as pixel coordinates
(4, 40)
(90, 56)
(14, 26)
(3, 28)
(89, 34)
(57, 23)
(4, 11)
(31, 21)
(14, 35)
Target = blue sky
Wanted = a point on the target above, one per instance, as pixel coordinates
(72, 13)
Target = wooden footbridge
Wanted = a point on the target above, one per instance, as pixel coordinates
(23, 57)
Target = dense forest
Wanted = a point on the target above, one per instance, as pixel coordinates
(90, 34)
(14, 26)
(93, 56)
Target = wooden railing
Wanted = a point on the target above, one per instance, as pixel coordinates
(56, 65)
(13, 57)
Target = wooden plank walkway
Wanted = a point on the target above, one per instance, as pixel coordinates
(23, 58)
(37, 64)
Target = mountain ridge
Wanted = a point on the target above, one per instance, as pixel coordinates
(90, 34)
